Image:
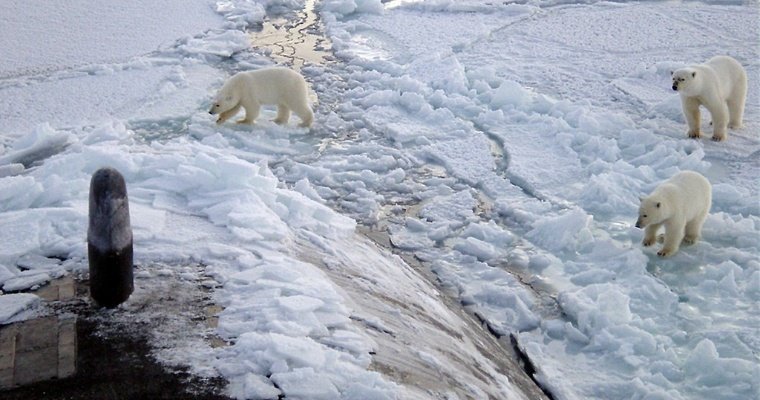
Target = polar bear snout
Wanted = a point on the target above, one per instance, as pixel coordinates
(675, 87)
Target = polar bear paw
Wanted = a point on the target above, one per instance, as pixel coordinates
(734, 125)
(666, 252)
(718, 138)
(648, 241)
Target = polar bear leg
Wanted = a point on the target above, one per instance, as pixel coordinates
(304, 112)
(719, 114)
(228, 114)
(251, 113)
(736, 105)
(674, 233)
(691, 112)
(650, 234)
(694, 229)
(283, 115)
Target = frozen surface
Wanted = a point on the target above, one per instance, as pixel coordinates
(503, 147)
(41, 37)
(16, 306)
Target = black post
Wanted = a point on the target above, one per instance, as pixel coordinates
(109, 239)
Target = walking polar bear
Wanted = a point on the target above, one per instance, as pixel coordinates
(681, 204)
(250, 90)
(720, 85)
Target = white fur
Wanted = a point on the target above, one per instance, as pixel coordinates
(720, 85)
(681, 204)
(251, 89)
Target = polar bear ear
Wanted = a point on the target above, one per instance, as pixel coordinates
(671, 73)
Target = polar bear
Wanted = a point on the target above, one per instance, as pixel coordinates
(250, 89)
(681, 204)
(720, 85)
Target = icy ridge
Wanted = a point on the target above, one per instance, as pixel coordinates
(582, 248)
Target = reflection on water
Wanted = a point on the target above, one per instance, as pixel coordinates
(37, 350)
(296, 41)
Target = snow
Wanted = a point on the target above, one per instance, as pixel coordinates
(111, 34)
(14, 306)
(504, 147)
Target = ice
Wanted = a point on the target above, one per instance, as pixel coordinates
(753, 285)
(122, 31)
(583, 148)
(37, 262)
(18, 192)
(241, 14)
(712, 371)
(502, 148)
(240, 196)
(295, 365)
(25, 281)
(562, 232)
(610, 308)
(14, 307)
(347, 7)
(305, 383)
(475, 247)
(254, 386)
(510, 93)
(42, 143)
(89, 97)
(222, 45)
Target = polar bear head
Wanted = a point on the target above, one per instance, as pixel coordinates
(223, 102)
(653, 210)
(685, 80)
